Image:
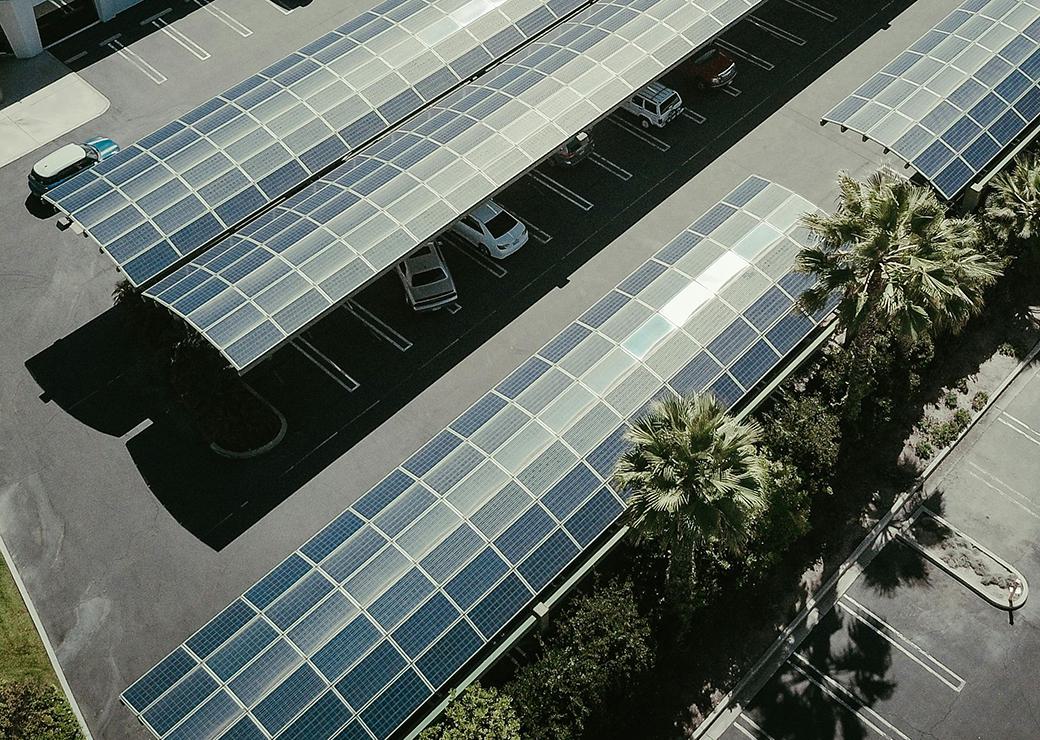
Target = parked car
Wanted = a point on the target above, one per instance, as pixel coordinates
(492, 229)
(71, 159)
(654, 105)
(577, 148)
(427, 282)
(710, 68)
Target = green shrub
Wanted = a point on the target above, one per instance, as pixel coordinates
(979, 401)
(1008, 350)
(924, 449)
(803, 432)
(32, 710)
(476, 714)
(961, 419)
(598, 645)
(951, 399)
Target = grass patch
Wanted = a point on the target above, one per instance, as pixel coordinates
(21, 653)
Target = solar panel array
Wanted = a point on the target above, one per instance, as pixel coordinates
(183, 185)
(357, 629)
(252, 291)
(957, 98)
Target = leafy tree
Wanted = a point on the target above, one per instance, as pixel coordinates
(693, 476)
(476, 714)
(600, 644)
(33, 710)
(1012, 209)
(803, 431)
(894, 258)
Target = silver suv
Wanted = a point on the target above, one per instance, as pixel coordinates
(428, 284)
(654, 105)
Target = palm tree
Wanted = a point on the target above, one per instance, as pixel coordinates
(1013, 204)
(693, 476)
(895, 259)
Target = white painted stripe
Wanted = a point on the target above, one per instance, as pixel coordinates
(616, 170)
(887, 631)
(74, 33)
(694, 116)
(453, 308)
(809, 8)
(539, 235)
(744, 732)
(776, 31)
(1025, 434)
(732, 91)
(561, 190)
(1021, 423)
(378, 326)
(1006, 485)
(181, 39)
(747, 56)
(343, 379)
(841, 695)
(240, 28)
(148, 70)
(661, 146)
(1005, 494)
(470, 252)
(74, 57)
(757, 727)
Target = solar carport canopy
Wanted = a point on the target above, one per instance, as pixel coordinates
(252, 291)
(357, 629)
(178, 188)
(952, 102)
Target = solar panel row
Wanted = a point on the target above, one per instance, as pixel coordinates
(957, 98)
(252, 291)
(356, 630)
(180, 187)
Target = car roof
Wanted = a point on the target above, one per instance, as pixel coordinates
(656, 92)
(486, 211)
(59, 159)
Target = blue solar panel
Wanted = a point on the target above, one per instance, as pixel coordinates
(147, 688)
(975, 71)
(179, 701)
(322, 719)
(486, 516)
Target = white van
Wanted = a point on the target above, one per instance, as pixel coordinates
(654, 105)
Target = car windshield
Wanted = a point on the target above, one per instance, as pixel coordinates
(671, 102)
(428, 277)
(501, 224)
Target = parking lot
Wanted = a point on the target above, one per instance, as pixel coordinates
(910, 652)
(130, 532)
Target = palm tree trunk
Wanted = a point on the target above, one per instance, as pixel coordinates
(859, 349)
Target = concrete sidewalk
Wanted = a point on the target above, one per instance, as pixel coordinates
(34, 114)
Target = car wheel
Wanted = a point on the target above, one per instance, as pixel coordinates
(644, 122)
(485, 250)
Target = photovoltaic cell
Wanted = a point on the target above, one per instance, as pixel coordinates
(959, 96)
(235, 153)
(470, 551)
(451, 156)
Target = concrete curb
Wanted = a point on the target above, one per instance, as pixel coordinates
(818, 603)
(912, 542)
(45, 640)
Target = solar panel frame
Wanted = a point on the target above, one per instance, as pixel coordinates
(236, 153)
(474, 157)
(511, 541)
(957, 97)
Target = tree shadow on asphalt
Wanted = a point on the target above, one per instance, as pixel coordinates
(92, 373)
(910, 568)
(793, 704)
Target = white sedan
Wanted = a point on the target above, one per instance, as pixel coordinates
(492, 229)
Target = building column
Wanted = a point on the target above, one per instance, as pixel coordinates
(107, 9)
(19, 23)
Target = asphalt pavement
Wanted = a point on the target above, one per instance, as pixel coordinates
(128, 534)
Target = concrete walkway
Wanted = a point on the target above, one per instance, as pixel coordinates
(28, 120)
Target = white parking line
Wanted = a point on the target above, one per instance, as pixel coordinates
(776, 31)
(145, 68)
(661, 146)
(1015, 427)
(160, 24)
(732, 91)
(561, 190)
(813, 10)
(1000, 491)
(693, 116)
(842, 695)
(328, 367)
(240, 28)
(747, 56)
(756, 727)
(539, 235)
(468, 250)
(74, 57)
(745, 732)
(919, 655)
(377, 326)
(453, 308)
(616, 170)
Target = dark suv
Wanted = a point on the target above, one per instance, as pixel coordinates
(577, 148)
